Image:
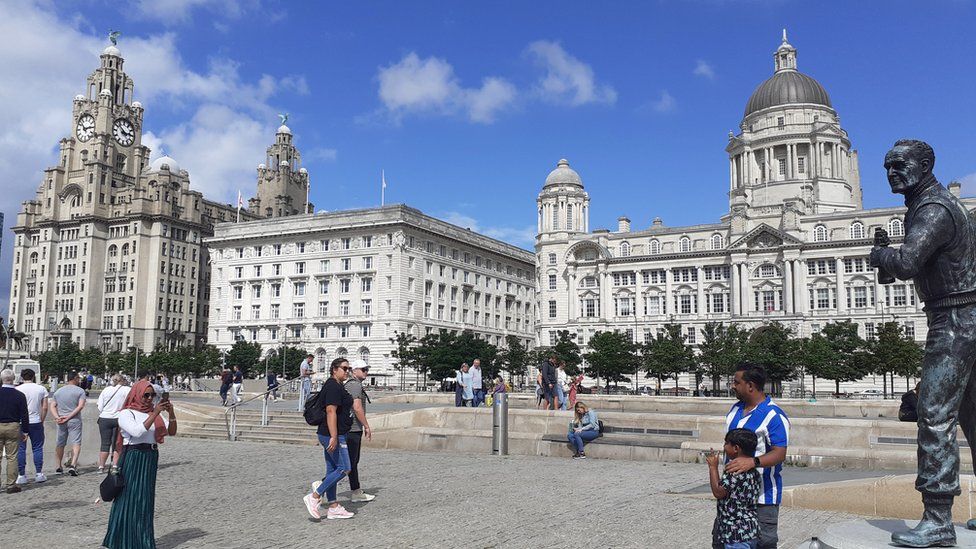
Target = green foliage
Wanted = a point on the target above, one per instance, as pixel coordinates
(611, 357)
(568, 351)
(722, 349)
(443, 353)
(58, 362)
(514, 358)
(770, 346)
(894, 352)
(245, 355)
(405, 355)
(288, 355)
(666, 355)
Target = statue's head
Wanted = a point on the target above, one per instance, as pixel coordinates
(908, 163)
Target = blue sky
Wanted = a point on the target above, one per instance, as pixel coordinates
(467, 106)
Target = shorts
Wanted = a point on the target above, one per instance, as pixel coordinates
(69, 432)
(549, 392)
(108, 428)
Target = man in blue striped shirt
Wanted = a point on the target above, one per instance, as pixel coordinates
(757, 412)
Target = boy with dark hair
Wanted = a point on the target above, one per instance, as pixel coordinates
(738, 521)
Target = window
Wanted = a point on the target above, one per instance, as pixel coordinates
(910, 330)
(366, 307)
(299, 310)
(256, 291)
(801, 164)
(276, 248)
(820, 233)
(590, 306)
(869, 330)
(301, 247)
(823, 298)
(717, 242)
(717, 302)
(367, 242)
(552, 259)
(899, 296)
(768, 271)
(653, 305)
(238, 292)
(367, 284)
(686, 304)
(323, 308)
(344, 308)
(237, 313)
(691, 335)
(257, 270)
(780, 121)
(324, 266)
(347, 264)
(323, 286)
(623, 306)
(655, 246)
(344, 286)
(552, 282)
(685, 244)
(368, 262)
(299, 289)
(276, 269)
(256, 312)
(624, 249)
(365, 333)
(857, 230)
(276, 290)
(275, 311)
(296, 333)
(552, 309)
(896, 228)
(782, 166)
(346, 243)
(343, 331)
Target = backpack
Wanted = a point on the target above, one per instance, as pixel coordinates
(600, 423)
(314, 412)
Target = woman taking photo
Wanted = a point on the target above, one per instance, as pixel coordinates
(332, 436)
(141, 428)
(584, 428)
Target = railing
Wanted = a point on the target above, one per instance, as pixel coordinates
(230, 414)
(200, 386)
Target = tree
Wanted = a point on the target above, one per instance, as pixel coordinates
(60, 360)
(611, 357)
(666, 355)
(894, 353)
(244, 355)
(568, 351)
(815, 355)
(287, 358)
(770, 346)
(405, 354)
(443, 353)
(722, 349)
(514, 358)
(848, 363)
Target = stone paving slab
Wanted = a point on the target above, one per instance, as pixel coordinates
(219, 494)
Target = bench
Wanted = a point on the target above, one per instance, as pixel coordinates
(636, 436)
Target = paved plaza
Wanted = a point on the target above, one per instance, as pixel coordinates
(223, 494)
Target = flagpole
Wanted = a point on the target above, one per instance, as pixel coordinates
(238, 206)
(383, 188)
(308, 185)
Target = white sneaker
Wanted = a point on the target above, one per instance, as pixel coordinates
(312, 505)
(21, 479)
(339, 512)
(40, 478)
(360, 496)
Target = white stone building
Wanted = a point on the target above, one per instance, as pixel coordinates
(793, 247)
(343, 283)
(109, 252)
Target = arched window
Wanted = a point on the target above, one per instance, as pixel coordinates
(624, 249)
(125, 249)
(717, 242)
(820, 233)
(321, 360)
(364, 354)
(685, 244)
(33, 258)
(857, 230)
(113, 251)
(896, 227)
(655, 246)
(341, 352)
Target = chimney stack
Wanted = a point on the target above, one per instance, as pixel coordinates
(955, 188)
(623, 224)
(657, 222)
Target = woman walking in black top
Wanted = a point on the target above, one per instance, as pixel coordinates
(332, 437)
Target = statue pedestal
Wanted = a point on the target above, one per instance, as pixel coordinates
(876, 534)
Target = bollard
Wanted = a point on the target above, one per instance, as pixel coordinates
(499, 425)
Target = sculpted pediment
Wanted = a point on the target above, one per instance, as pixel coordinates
(764, 237)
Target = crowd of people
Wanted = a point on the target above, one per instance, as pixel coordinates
(554, 389)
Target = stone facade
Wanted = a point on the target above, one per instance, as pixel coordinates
(344, 283)
(109, 252)
(793, 247)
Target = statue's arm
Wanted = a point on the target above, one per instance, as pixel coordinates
(931, 229)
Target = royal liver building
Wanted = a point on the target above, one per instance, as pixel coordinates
(793, 247)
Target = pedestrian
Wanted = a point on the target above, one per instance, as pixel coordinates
(574, 387)
(332, 436)
(464, 385)
(499, 386)
(14, 425)
(736, 516)
(226, 378)
(585, 427)
(36, 396)
(305, 370)
(758, 413)
(477, 387)
(458, 388)
(237, 382)
(142, 429)
(908, 411)
(549, 381)
(66, 407)
(109, 403)
(272, 385)
(539, 395)
(359, 428)
(562, 385)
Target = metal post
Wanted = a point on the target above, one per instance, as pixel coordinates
(499, 425)
(6, 339)
(264, 411)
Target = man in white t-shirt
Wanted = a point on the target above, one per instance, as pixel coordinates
(37, 409)
(305, 370)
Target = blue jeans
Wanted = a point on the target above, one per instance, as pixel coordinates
(337, 466)
(751, 544)
(560, 397)
(578, 439)
(479, 397)
(36, 434)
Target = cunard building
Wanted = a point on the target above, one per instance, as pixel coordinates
(792, 248)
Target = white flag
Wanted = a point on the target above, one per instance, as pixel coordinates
(240, 200)
(383, 176)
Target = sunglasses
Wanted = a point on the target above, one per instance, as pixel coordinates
(148, 395)
(346, 368)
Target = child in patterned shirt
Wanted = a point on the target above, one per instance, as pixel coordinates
(737, 494)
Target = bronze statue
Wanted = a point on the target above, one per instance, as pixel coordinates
(939, 254)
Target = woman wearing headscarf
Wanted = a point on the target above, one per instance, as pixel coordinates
(141, 429)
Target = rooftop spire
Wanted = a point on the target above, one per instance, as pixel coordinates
(785, 56)
(784, 37)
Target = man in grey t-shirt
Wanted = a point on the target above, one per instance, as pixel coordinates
(354, 438)
(66, 406)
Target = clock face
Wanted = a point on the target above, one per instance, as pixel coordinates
(85, 129)
(123, 132)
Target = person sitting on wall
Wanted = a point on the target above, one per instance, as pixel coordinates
(908, 411)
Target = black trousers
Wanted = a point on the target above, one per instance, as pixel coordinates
(354, 440)
(946, 399)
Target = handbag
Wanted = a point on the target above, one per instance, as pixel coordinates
(113, 483)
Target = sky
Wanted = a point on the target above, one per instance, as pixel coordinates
(467, 106)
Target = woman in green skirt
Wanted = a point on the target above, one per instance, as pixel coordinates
(141, 429)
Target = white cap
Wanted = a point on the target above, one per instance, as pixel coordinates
(359, 364)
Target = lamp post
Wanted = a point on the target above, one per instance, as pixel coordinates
(6, 340)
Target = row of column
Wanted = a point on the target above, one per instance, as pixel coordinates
(742, 166)
(562, 215)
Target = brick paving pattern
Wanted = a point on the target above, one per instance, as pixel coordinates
(218, 494)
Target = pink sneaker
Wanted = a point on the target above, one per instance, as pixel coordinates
(339, 512)
(312, 505)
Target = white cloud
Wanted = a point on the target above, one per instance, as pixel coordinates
(665, 103)
(704, 69)
(174, 12)
(968, 183)
(567, 80)
(429, 86)
(524, 236)
(322, 153)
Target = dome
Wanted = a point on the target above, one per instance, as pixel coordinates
(157, 165)
(787, 87)
(261, 166)
(284, 129)
(302, 171)
(79, 97)
(563, 175)
(105, 92)
(136, 105)
(112, 50)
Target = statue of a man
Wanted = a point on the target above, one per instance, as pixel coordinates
(939, 254)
